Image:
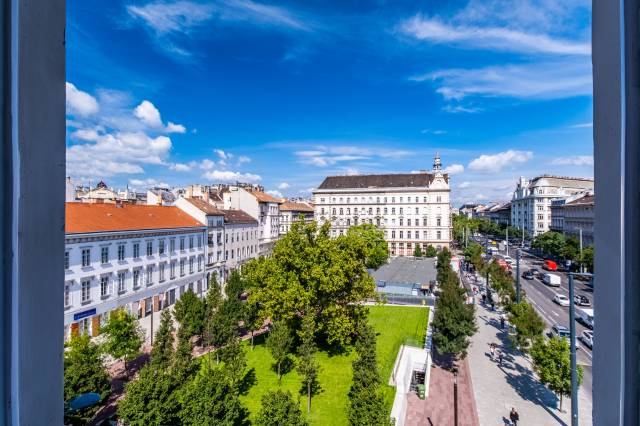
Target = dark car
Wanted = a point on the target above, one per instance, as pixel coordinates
(527, 275)
(581, 300)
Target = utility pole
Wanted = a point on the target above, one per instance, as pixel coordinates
(517, 275)
(572, 345)
(581, 263)
(455, 397)
(507, 240)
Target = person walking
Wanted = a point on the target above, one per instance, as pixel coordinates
(514, 416)
(492, 349)
(500, 358)
(502, 321)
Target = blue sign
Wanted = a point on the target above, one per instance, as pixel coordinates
(84, 314)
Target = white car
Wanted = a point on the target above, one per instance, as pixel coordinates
(509, 260)
(587, 338)
(561, 299)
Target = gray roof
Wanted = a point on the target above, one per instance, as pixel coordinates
(400, 180)
(406, 270)
(238, 216)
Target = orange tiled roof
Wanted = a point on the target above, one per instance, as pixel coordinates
(296, 207)
(204, 206)
(95, 217)
(265, 198)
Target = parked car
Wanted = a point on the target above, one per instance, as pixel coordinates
(585, 316)
(561, 299)
(552, 280)
(587, 338)
(535, 272)
(509, 260)
(562, 332)
(527, 275)
(581, 300)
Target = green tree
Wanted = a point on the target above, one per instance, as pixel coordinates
(586, 259)
(210, 399)
(502, 283)
(151, 399)
(430, 251)
(473, 255)
(377, 251)
(550, 242)
(182, 363)
(309, 270)
(124, 337)
(279, 409)
(235, 361)
(252, 319)
(308, 366)
(279, 343)
(453, 321)
(84, 372)
(162, 351)
(366, 402)
(529, 325)
(552, 363)
(189, 311)
(417, 252)
(213, 299)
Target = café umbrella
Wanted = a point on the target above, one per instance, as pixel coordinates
(83, 401)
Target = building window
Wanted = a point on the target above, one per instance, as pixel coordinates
(438, 235)
(417, 211)
(199, 241)
(149, 248)
(408, 222)
(424, 222)
(149, 274)
(136, 250)
(161, 247)
(341, 211)
(86, 291)
(417, 200)
(121, 284)
(121, 252)
(400, 210)
(181, 243)
(401, 220)
(191, 243)
(67, 295)
(181, 267)
(173, 269)
(191, 265)
(401, 234)
(136, 278)
(104, 286)
(438, 199)
(161, 272)
(104, 255)
(172, 245)
(66, 260)
(86, 257)
(200, 263)
(438, 221)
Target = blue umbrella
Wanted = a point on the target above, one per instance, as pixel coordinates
(83, 401)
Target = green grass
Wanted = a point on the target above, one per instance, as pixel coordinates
(394, 326)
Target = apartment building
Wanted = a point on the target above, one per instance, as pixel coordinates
(138, 257)
(532, 200)
(259, 205)
(241, 239)
(579, 218)
(412, 208)
(290, 212)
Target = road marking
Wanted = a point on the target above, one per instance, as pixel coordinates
(555, 313)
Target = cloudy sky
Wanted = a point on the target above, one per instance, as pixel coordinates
(285, 93)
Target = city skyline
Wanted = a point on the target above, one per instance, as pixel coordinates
(283, 95)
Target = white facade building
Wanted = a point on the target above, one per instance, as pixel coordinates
(531, 201)
(138, 257)
(262, 207)
(579, 218)
(241, 239)
(290, 212)
(412, 209)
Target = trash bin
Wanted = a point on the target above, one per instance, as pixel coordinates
(421, 391)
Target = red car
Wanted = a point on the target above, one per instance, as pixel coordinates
(550, 265)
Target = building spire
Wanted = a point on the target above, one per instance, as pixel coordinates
(437, 165)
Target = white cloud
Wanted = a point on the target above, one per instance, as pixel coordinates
(454, 169)
(497, 162)
(149, 115)
(463, 185)
(261, 14)
(323, 156)
(243, 159)
(147, 183)
(576, 160)
(275, 193)
(546, 80)
(223, 155)
(80, 103)
(457, 109)
(582, 125)
(207, 164)
(177, 17)
(433, 132)
(181, 167)
(494, 38)
(352, 172)
(283, 185)
(227, 176)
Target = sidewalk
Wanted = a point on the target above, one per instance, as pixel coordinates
(497, 389)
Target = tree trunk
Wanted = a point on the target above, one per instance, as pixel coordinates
(560, 401)
(308, 397)
(279, 376)
(251, 339)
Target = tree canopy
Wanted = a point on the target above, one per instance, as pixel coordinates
(123, 335)
(529, 325)
(377, 251)
(279, 343)
(279, 409)
(189, 311)
(83, 369)
(310, 271)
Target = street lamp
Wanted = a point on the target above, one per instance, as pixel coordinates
(572, 350)
(455, 396)
(517, 275)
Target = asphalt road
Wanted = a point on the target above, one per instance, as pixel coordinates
(541, 297)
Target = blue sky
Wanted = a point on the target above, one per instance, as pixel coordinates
(285, 93)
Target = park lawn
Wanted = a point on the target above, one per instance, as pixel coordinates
(393, 324)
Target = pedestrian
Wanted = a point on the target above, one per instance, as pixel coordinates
(492, 349)
(502, 321)
(484, 298)
(514, 416)
(500, 358)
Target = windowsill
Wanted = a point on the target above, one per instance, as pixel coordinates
(149, 284)
(66, 308)
(136, 287)
(105, 296)
(86, 302)
(106, 264)
(87, 268)
(137, 259)
(161, 281)
(122, 262)
(122, 292)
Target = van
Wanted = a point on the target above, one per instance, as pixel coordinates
(585, 316)
(552, 280)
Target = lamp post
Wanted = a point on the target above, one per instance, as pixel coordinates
(517, 275)
(572, 346)
(455, 397)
